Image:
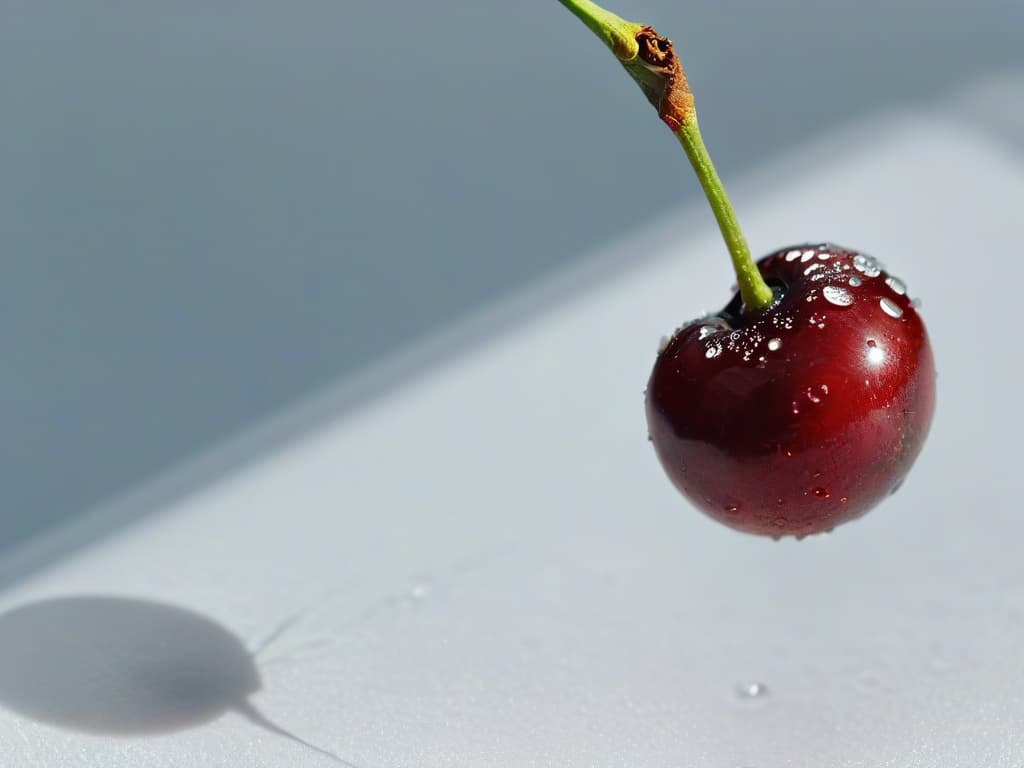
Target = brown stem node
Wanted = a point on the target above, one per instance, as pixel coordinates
(660, 75)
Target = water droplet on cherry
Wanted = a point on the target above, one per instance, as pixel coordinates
(890, 307)
(837, 295)
(867, 265)
(897, 285)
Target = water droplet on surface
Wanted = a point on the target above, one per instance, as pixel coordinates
(872, 343)
(779, 501)
(843, 499)
(890, 307)
(732, 509)
(774, 345)
(419, 591)
(663, 344)
(796, 408)
(751, 690)
(855, 281)
(812, 268)
(808, 255)
(706, 331)
(837, 295)
(780, 522)
(822, 493)
(916, 303)
(824, 256)
(897, 285)
(792, 255)
(713, 352)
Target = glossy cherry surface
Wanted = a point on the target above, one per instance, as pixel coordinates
(806, 415)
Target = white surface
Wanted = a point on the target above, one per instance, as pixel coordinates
(487, 567)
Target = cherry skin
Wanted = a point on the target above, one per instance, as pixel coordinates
(796, 419)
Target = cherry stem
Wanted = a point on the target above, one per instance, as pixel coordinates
(755, 292)
(651, 61)
(618, 34)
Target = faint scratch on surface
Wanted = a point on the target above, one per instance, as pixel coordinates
(418, 591)
(257, 646)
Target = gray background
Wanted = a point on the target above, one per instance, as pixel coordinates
(208, 213)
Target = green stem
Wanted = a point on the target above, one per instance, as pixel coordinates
(651, 61)
(617, 33)
(756, 294)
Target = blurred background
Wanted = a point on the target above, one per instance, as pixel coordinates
(211, 212)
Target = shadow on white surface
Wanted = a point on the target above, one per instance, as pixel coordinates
(119, 666)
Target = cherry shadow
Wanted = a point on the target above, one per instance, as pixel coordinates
(126, 667)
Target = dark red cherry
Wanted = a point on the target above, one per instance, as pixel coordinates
(806, 406)
(803, 416)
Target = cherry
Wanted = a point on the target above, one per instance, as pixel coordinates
(803, 416)
(806, 400)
